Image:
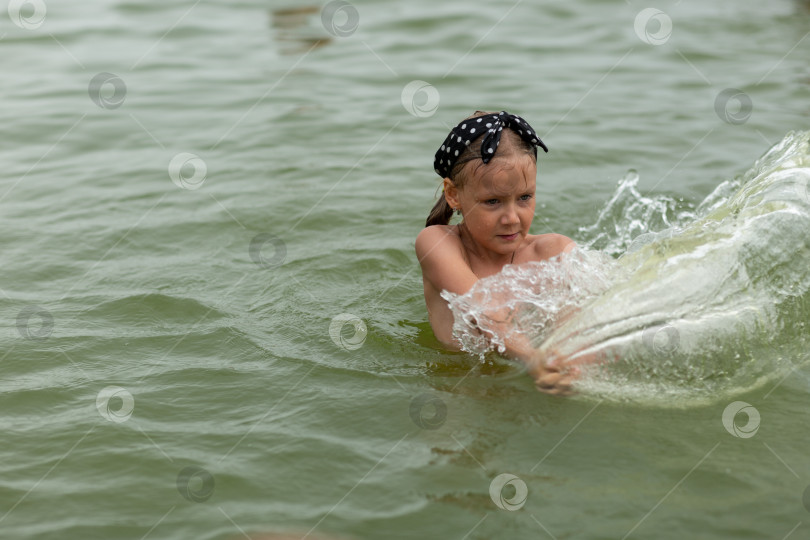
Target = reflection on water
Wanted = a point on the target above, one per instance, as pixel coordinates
(298, 29)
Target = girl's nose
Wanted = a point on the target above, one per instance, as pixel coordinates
(511, 215)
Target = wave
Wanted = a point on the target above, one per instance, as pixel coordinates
(662, 303)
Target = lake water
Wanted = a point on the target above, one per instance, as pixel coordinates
(214, 321)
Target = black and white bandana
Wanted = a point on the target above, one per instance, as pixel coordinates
(469, 130)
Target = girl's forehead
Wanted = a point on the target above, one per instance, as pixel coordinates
(499, 175)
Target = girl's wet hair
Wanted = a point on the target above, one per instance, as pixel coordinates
(514, 145)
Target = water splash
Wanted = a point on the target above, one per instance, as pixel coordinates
(527, 298)
(700, 303)
(629, 215)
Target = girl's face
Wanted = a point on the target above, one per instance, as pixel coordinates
(497, 202)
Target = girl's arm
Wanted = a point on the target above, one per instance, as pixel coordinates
(443, 265)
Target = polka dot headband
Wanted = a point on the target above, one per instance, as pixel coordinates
(490, 124)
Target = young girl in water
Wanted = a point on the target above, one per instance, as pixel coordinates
(488, 163)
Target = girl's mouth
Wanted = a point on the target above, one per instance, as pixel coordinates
(508, 237)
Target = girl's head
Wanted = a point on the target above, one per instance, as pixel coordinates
(480, 158)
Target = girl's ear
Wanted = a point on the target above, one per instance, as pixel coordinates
(451, 193)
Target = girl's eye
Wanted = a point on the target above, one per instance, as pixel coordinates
(491, 201)
(526, 197)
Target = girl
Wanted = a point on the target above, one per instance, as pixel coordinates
(493, 189)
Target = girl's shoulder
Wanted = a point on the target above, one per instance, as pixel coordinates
(546, 246)
(429, 237)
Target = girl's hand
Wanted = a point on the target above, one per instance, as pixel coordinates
(555, 383)
(552, 378)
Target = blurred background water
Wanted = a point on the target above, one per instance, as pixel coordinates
(214, 321)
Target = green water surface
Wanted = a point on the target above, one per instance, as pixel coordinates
(192, 193)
